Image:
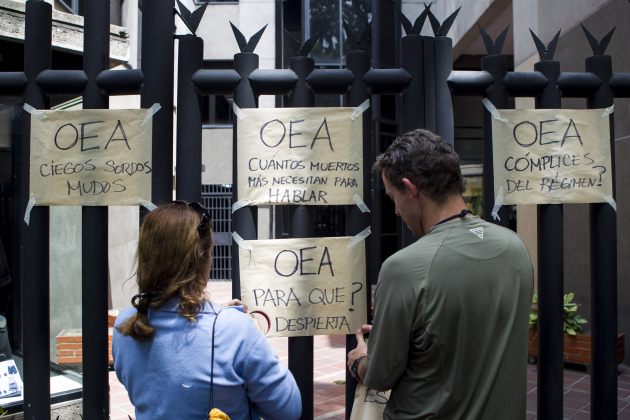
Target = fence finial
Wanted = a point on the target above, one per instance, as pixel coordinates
(302, 50)
(191, 20)
(360, 42)
(418, 24)
(598, 47)
(442, 30)
(545, 53)
(493, 47)
(243, 44)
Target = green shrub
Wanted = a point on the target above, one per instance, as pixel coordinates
(573, 323)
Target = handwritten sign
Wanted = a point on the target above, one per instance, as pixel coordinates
(369, 404)
(545, 156)
(91, 157)
(304, 287)
(311, 156)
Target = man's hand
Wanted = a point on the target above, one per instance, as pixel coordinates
(236, 302)
(359, 352)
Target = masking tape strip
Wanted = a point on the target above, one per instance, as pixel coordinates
(608, 111)
(356, 239)
(360, 204)
(498, 202)
(29, 207)
(150, 113)
(492, 110)
(237, 111)
(239, 205)
(240, 241)
(612, 202)
(34, 112)
(148, 205)
(241, 244)
(360, 109)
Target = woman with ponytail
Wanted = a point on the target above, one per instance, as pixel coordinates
(178, 353)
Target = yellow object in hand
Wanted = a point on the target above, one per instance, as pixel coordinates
(216, 414)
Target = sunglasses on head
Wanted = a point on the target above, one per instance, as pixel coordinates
(201, 210)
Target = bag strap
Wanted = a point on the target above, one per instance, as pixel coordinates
(214, 323)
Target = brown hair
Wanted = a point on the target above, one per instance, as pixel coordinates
(426, 160)
(173, 260)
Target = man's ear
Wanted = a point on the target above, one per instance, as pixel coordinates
(410, 188)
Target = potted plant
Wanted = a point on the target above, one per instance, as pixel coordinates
(577, 347)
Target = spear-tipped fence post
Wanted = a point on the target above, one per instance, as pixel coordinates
(603, 269)
(445, 120)
(94, 243)
(158, 68)
(550, 277)
(495, 65)
(413, 105)
(33, 256)
(188, 164)
(243, 218)
(301, 348)
(358, 62)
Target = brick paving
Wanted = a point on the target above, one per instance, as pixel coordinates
(329, 380)
(577, 394)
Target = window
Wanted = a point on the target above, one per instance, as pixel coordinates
(71, 6)
(326, 17)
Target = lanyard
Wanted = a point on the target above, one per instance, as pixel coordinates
(461, 214)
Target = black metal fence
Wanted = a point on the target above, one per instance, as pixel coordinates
(425, 84)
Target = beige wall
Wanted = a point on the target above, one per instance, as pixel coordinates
(545, 18)
(249, 16)
(216, 151)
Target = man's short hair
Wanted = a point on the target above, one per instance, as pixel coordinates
(426, 160)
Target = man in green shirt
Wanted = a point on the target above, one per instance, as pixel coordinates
(451, 310)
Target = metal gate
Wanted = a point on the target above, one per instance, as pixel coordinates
(427, 79)
(218, 199)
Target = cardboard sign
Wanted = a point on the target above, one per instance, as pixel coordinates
(92, 157)
(369, 404)
(547, 156)
(310, 156)
(302, 287)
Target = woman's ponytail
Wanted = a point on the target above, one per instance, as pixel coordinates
(138, 325)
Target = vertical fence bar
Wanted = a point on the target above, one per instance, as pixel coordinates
(413, 106)
(603, 270)
(412, 59)
(242, 219)
(496, 65)
(358, 62)
(34, 260)
(301, 348)
(428, 78)
(188, 164)
(445, 119)
(158, 69)
(550, 278)
(94, 270)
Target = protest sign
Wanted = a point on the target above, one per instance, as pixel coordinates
(547, 156)
(369, 404)
(307, 286)
(91, 157)
(311, 156)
